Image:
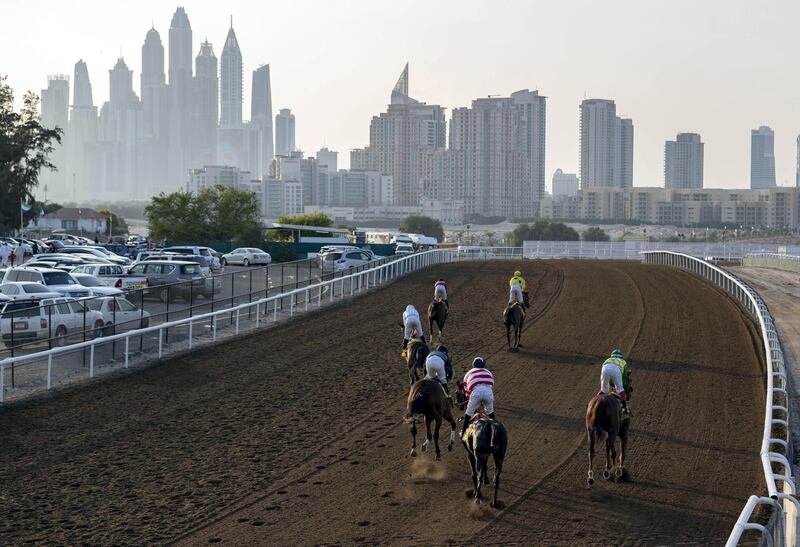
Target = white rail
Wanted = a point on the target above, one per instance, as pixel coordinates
(790, 263)
(298, 297)
(782, 529)
(629, 250)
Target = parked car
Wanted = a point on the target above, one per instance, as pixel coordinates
(16, 243)
(200, 260)
(86, 250)
(54, 244)
(141, 255)
(66, 263)
(194, 250)
(113, 275)
(247, 256)
(95, 284)
(119, 314)
(55, 280)
(402, 249)
(351, 259)
(23, 321)
(170, 279)
(16, 290)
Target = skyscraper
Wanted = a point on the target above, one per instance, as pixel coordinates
(399, 137)
(231, 79)
(120, 130)
(154, 144)
(55, 113)
(606, 146)
(261, 121)
(327, 160)
(82, 147)
(284, 132)
(762, 158)
(180, 84)
(205, 107)
(797, 172)
(683, 162)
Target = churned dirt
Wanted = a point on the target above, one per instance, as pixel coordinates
(294, 436)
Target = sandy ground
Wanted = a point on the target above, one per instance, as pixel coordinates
(294, 436)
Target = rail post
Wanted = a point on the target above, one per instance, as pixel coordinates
(49, 370)
(127, 349)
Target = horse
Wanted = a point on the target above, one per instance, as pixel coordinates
(484, 437)
(437, 313)
(427, 398)
(416, 354)
(514, 316)
(603, 417)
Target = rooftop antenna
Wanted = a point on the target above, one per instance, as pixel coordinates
(231, 20)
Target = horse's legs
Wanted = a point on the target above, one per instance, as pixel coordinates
(590, 478)
(448, 415)
(436, 436)
(498, 467)
(481, 463)
(413, 438)
(427, 442)
(473, 464)
(508, 335)
(623, 448)
(611, 453)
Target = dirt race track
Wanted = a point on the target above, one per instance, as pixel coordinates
(295, 435)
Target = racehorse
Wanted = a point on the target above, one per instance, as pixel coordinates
(427, 398)
(484, 437)
(603, 417)
(514, 316)
(437, 313)
(416, 354)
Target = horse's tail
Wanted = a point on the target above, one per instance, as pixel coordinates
(416, 405)
(493, 425)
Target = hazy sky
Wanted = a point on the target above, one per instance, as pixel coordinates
(718, 68)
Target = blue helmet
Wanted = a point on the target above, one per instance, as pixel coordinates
(479, 362)
(617, 353)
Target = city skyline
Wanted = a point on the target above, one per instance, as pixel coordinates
(303, 71)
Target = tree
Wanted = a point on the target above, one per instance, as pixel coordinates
(24, 149)
(595, 234)
(542, 230)
(418, 224)
(216, 213)
(118, 224)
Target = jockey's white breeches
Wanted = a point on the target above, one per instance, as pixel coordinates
(434, 366)
(610, 373)
(412, 326)
(515, 295)
(440, 291)
(481, 395)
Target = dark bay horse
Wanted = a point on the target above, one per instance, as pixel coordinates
(427, 399)
(514, 316)
(416, 354)
(437, 313)
(603, 418)
(486, 437)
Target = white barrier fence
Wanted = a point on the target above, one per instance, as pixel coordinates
(775, 445)
(779, 261)
(299, 300)
(629, 250)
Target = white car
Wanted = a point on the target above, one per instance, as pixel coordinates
(119, 314)
(404, 249)
(23, 321)
(352, 258)
(247, 256)
(95, 285)
(18, 290)
(85, 251)
(112, 275)
(205, 252)
(55, 280)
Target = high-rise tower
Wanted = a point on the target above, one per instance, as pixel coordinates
(205, 107)
(683, 162)
(606, 145)
(180, 92)
(261, 121)
(55, 113)
(153, 147)
(119, 134)
(82, 156)
(762, 158)
(284, 132)
(231, 79)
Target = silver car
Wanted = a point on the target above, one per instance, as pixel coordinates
(247, 256)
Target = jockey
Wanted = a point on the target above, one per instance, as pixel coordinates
(439, 367)
(440, 292)
(614, 377)
(411, 325)
(517, 292)
(479, 387)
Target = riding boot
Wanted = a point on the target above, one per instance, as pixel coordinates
(491, 416)
(465, 425)
(405, 343)
(423, 339)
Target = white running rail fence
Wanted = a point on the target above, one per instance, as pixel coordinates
(779, 261)
(629, 250)
(776, 448)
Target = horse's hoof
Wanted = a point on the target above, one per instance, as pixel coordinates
(589, 482)
(450, 446)
(438, 458)
(607, 475)
(619, 472)
(413, 453)
(425, 446)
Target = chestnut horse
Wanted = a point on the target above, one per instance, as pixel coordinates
(427, 399)
(603, 417)
(437, 313)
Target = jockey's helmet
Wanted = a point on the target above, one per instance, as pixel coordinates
(479, 362)
(518, 274)
(442, 348)
(617, 353)
(410, 308)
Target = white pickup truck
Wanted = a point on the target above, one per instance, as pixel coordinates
(113, 275)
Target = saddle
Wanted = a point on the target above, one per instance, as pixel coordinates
(476, 418)
(411, 343)
(511, 307)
